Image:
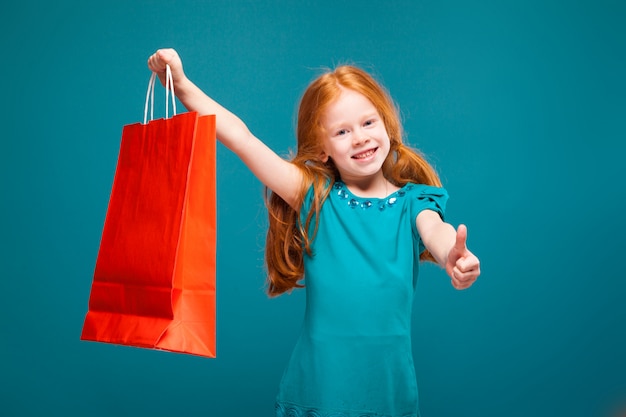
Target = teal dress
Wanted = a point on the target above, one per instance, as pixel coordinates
(353, 357)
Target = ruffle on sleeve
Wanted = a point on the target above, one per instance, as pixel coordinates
(432, 198)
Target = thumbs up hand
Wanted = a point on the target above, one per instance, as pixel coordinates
(462, 266)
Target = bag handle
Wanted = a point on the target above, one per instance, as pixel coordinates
(169, 85)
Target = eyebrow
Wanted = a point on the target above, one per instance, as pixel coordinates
(367, 116)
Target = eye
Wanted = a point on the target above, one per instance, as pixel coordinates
(341, 132)
(369, 122)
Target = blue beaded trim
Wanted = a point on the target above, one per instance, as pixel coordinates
(381, 203)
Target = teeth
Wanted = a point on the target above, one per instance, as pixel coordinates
(364, 154)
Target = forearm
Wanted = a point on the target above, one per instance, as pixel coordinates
(449, 248)
(276, 173)
(230, 129)
(273, 171)
(439, 240)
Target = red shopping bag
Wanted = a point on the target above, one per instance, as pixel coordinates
(154, 280)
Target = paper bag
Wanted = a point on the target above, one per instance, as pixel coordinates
(154, 280)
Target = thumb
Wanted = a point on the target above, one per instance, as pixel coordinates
(461, 238)
(165, 55)
(160, 59)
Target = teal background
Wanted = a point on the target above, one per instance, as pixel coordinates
(520, 105)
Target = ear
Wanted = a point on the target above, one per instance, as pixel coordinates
(323, 155)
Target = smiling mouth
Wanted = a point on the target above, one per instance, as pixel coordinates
(365, 154)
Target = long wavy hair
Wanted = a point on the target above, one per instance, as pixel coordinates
(289, 238)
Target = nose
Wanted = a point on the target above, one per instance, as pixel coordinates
(360, 138)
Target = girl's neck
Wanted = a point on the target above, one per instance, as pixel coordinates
(376, 187)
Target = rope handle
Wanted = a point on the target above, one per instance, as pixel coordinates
(169, 85)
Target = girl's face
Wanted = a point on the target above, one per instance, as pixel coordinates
(355, 137)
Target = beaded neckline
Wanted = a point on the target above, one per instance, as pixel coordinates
(353, 201)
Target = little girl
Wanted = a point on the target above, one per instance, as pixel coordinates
(351, 214)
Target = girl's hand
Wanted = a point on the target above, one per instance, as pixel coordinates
(162, 57)
(462, 266)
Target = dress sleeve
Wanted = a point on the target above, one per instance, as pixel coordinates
(427, 197)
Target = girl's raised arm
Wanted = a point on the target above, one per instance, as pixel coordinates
(279, 175)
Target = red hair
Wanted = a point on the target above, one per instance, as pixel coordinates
(288, 237)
